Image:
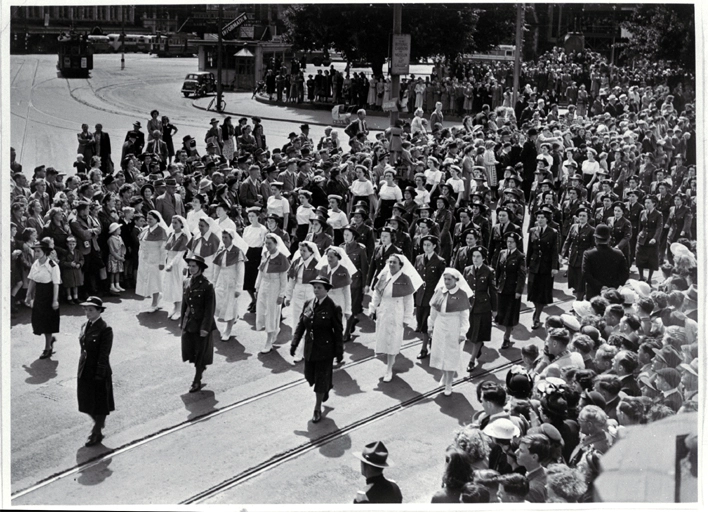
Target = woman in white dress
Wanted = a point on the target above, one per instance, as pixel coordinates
(205, 243)
(271, 286)
(254, 235)
(339, 269)
(393, 305)
(151, 259)
(175, 265)
(301, 272)
(228, 278)
(336, 217)
(197, 212)
(449, 322)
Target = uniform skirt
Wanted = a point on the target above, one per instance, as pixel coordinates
(45, 319)
(197, 349)
(480, 327)
(385, 212)
(253, 261)
(508, 310)
(575, 278)
(540, 288)
(319, 375)
(648, 256)
(95, 396)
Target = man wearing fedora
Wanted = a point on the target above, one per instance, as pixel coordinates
(197, 320)
(603, 265)
(374, 459)
(170, 202)
(94, 385)
(136, 146)
(214, 135)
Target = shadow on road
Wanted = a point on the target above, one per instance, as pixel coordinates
(232, 350)
(456, 406)
(41, 371)
(200, 403)
(334, 449)
(357, 351)
(345, 385)
(159, 320)
(94, 474)
(274, 361)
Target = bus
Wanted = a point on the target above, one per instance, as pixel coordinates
(101, 44)
(174, 45)
(133, 42)
(75, 56)
(501, 53)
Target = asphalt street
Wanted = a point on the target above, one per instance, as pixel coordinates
(248, 431)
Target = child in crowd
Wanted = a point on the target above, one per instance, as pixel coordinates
(72, 276)
(80, 165)
(116, 257)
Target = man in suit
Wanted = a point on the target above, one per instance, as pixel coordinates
(358, 125)
(86, 235)
(430, 267)
(321, 324)
(624, 364)
(603, 265)
(102, 142)
(250, 190)
(374, 459)
(158, 147)
(170, 203)
(580, 239)
(197, 320)
(139, 143)
(381, 255)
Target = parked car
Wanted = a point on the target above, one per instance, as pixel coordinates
(199, 84)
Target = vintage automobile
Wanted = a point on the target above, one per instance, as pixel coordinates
(199, 84)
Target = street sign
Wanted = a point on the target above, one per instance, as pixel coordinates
(400, 54)
(232, 25)
(390, 106)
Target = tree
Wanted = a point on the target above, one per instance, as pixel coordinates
(361, 31)
(662, 32)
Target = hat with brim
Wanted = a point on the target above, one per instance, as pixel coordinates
(640, 287)
(95, 302)
(199, 260)
(323, 281)
(570, 322)
(549, 431)
(502, 429)
(583, 308)
(594, 398)
(374, 454)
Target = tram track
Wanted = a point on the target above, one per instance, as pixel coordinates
(277, 459)
(29, 106)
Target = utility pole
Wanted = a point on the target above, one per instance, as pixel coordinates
(519, 47)
(219, 90)
(395, 79)
(122, 38)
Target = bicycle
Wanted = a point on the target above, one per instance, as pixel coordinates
(219, 108)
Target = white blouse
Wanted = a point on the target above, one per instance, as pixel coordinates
(304, 214)
(255, 236)
(337, 220)
(390, 193)
(44, 272)
(361, 188)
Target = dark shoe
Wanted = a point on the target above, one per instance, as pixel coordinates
(506, 344)
(317, 416)
(46, 354)
(423, 354)
(94, 439)
(536, 325)
(196, 386)
(471, 366)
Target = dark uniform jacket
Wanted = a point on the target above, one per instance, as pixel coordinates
(481, 281)
(379, 490)
(357, 253)
(198, 304)
(620, 234)
(321, 240)
(679, 221)
(570, 210)
(322, 328)
(650, 226)
(95, 385)
(498, 239)
(366, 237)
(462, 258)
(431, 272)
(510, 272)
(378, 262)
(634, 211)
(542, 254)
(579, 240)
(603, 266)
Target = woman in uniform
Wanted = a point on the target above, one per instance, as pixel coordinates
(274, 223)
(43, 295)
(392, 304)
(480, 279)
(94, 385)
(254, 236)
(317, 235)
(151, 259)
(198, 303)
(271, 285)
(205, 243)
(338, 269)
(679, 222)
(542, 263)
(321, 324)
(620, 230)
(302, 270)
(175, 265)
(228, 278)
(511, 277)
(651, 222)
(357, 254)
(463, 256)
(449, 323)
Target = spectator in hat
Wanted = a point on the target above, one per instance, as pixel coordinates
(374, 459)
(136, 138)
(620, 230)
(94, 384)
(170, 202)
(258, 133)
(116, 258)
(603, 266)
(667, 382)
(214, 135)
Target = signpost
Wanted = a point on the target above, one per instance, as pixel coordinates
(232, 25)
(400, 54)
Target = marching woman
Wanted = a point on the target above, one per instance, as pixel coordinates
(151, 259)
(254, 236)
(197, 320)
(175, 265)
(271, 286)
(679, 222)
(463, 256)
(304, 213)
(511, 278)
(197, 212)
(357, 254)
(336, 218)
(483, 303)
(301, 272)
(317, 235)
(228, 278)
(389, 194)
(449, 323)
(392, 304)
(651, 222)
(542, 263)
(94, 385)
(321, 324)
(205, 243)
(43, 295)
(620, 229)
(274, 223)
(338, 269)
